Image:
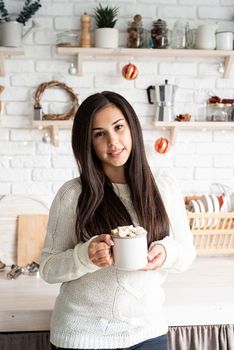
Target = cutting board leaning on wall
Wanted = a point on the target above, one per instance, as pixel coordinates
(31, 233)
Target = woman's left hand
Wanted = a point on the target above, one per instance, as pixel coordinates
(156, 257)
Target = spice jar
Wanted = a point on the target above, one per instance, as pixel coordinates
(159, 34)
(216, 112)
(136, 33)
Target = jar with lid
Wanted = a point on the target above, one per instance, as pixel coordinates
(136, 33)
(159, 34)
(217, 112)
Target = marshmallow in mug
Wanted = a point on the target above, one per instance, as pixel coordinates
(128, 231)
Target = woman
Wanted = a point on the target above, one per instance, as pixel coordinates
(99, 306)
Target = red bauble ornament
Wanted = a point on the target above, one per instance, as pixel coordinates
(130, 71)
(162, 145)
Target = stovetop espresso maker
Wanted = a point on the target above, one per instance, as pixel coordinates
(164, 101)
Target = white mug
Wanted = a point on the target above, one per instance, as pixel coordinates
(224, 41)
(130, 253)
(205, 37)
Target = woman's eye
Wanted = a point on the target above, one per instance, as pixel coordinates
(119, 126)
(98, 134)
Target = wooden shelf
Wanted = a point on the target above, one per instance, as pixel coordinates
(173, 127)
(8, 51)
(80, 53)
(53, 126)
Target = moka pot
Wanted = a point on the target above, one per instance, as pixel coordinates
(163, 100)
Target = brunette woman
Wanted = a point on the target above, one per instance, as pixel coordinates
(99, 306)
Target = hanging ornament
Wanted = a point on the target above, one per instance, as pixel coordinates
(162, 145)
(130, 71)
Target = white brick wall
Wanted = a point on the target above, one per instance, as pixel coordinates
(27, 165)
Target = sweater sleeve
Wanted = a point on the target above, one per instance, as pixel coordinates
(180, 251)
(63, 259)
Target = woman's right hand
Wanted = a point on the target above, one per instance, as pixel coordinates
(99, 250)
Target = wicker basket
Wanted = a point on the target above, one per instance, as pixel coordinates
(213, 232)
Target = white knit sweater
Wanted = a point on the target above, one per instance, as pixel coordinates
(104, 308)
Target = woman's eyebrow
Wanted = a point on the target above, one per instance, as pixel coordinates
(115, 122)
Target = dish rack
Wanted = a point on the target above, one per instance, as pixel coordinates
(213, 233)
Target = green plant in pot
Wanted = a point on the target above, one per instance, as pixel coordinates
(11, 30)
(106, 36)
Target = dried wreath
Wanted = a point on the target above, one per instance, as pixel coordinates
(65, 116)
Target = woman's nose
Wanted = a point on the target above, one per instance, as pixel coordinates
(112, 141)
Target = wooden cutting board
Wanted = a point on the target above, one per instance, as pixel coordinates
(31, 236)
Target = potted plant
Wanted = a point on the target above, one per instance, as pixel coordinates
(106, 36)
(11, 31)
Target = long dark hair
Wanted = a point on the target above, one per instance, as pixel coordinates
(99, 209)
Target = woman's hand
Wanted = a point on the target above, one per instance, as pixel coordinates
(156, 257)
(99, 250)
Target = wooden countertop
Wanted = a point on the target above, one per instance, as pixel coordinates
(202, 295)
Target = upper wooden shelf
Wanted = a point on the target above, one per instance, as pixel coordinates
(82, 52)
(8, 51)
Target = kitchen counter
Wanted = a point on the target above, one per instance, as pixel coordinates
(203, 295)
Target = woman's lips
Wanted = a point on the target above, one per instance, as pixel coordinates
(115, 154)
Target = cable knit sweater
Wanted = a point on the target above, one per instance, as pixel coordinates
(104, 308)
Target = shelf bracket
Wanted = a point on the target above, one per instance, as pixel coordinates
(54, 134)
(2, 68)
(79, 64)
(173, 132)
(227, 66)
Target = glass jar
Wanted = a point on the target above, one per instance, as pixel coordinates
(68, 38)
(178, 36)
(159, 34)
(216, 112)
(137, 35)
(229, 109)
(232, 115)
(190, 36)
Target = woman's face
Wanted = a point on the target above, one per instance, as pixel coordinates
(112, 141)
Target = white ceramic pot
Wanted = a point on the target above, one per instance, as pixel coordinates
(11, 34)
(224, 41)
(130, 253)
(107, 38)
(205, 37)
